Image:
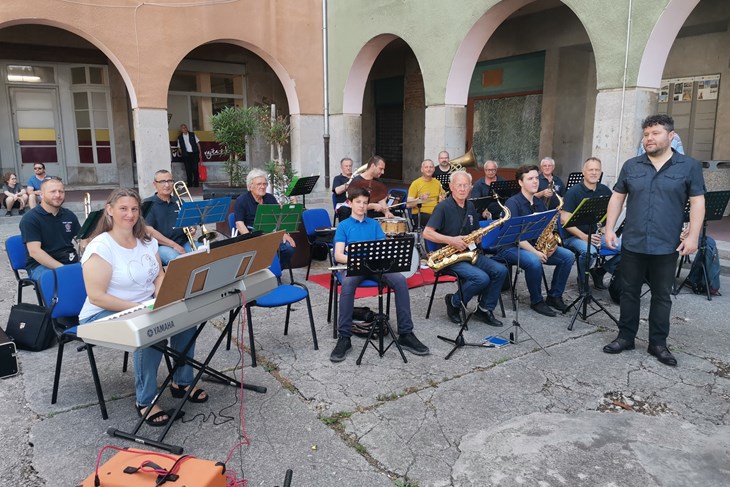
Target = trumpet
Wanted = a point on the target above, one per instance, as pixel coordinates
(181, 191)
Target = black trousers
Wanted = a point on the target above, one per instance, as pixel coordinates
(190, 159)
(658, 270)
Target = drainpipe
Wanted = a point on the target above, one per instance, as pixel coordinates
(623, 92)
(326, 135)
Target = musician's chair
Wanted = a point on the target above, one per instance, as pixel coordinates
(17, 256)
(319, 234)
(333, 302)
(282, 295)
(65, 296)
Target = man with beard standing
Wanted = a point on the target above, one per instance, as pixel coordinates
(655, 187)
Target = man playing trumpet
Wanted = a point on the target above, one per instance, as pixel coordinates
(452, 219)
(162, 217)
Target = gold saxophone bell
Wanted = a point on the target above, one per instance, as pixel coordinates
(182, 192)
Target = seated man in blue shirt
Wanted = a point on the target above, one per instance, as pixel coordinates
(530, 259)
(162, 217)
(549, 184)
(245, 211)
(360, 228)
(33, 188)
(576, 241)
(483, 189)
(48, 231)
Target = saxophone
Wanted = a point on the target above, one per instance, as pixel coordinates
(549, 239)
(448, 254)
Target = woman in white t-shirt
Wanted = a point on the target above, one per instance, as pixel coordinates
(121, 270)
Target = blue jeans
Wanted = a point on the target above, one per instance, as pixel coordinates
(579, 247)
(37, 271)
(483, 279)
(286, 252)
(147, 361)
(168, 253)
(562, 259)
(347, 302)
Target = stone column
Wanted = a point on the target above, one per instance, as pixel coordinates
(445, 129)
(152, 146)
(345, 141)
(614, 143)
(307, 147)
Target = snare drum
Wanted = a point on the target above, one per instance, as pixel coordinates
(393, 226)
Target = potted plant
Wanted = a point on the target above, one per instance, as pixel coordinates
(276, 129)
(232, 128)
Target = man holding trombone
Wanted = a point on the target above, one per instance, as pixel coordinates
(162, 217)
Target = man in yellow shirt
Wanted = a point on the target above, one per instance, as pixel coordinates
(423, 194)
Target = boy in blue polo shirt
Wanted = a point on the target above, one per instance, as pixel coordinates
(360, 228)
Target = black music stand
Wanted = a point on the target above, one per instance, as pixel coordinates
(715, 204)
(590, 212)
(512, 232)
(575, 178)
(375, 258)
(505, 189)
(301, 186)
(272, 218)
(194, 213)
(481, 204)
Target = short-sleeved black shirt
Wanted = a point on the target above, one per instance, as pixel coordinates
(559, 187)
(655, 201)
(577, 193)
(450, 219)
(54, 232)
(339, 180)
(163, 217)
(482, 189)
(245, 207)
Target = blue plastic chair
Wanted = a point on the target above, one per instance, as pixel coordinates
(282, 295)
(445, 272)
(313, 220)
(334, 209)
(65, 296)
(18, 256)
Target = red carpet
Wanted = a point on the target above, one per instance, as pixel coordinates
(423, 277)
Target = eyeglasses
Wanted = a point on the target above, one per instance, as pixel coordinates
(165, 181)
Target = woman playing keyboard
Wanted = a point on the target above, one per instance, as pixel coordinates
(122, 269)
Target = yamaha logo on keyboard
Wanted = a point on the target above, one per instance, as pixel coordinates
(161, 328)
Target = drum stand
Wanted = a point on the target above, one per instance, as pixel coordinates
(378, 257)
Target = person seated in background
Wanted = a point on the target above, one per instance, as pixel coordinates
(162, 218)
(531, 259)
(48, 231)
(339, 187)
(443, 170)
(482, 189)
(549, 184)
(245, 211)
(378, 206)
(452, 219)
(360, 228)
(33, 188)
(578, 235)
(122, 269)
(13, 194)
(423, 195)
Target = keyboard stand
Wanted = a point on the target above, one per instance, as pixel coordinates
(202, 368)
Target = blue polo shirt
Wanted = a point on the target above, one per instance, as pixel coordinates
(655, 201)
(35, 183)
(54, 232)
(353, 230)
(559, 186)
(577, 193)
(162, 216)
(245, 207)
(482, 189)
(450, 219)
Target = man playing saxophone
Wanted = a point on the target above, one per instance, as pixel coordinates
(162, 217)
(530, 258)
(452, 220)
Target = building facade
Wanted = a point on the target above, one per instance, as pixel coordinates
(97, 90)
